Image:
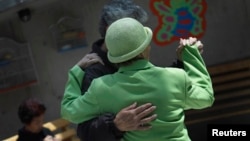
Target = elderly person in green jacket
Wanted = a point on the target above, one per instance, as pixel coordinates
(171, 90)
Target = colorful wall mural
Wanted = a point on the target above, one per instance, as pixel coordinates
(178, 19)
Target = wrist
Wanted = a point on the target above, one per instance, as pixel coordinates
(81, 66)
(116, 125)
(110, 121)
(118, 132)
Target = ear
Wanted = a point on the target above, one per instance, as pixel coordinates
(146, 53)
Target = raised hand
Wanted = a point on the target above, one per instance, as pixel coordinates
(188, 42)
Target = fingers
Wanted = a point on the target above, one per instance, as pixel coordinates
(130, 106)
(188, 42)
(94, 58)
(142, 108)
(200, 50)
(198, 43)
(199, 46)
(89, 59)
(144, 122)
(145, 127)
(132, 118)
(192, 40)
(148, 119)
(146, 112)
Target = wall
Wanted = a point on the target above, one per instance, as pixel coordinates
(225, 39)
(51, 66)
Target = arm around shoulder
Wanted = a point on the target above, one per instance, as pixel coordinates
(72, 91)
(75, 106)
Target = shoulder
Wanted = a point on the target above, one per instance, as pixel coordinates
(172, 70)
(23, 134)
(99, 69)
(104, 81)
(173, 73)
(105, 78)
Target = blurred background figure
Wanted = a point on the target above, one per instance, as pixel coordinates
(31, 114)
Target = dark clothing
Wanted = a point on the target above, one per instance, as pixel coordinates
(97, 70)
(24, 135)
(177, 64)
(102, 128)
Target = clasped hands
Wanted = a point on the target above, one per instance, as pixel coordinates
(188, 42)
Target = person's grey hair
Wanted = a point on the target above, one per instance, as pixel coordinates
(117, 9)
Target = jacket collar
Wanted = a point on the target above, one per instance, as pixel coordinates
(136, 66)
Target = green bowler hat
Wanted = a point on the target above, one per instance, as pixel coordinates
(125, 39)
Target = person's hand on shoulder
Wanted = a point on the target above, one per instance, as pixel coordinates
(89, 59)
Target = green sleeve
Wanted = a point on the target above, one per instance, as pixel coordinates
(76, 107)
(199, 90)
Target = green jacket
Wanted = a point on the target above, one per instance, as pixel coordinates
(171, 90)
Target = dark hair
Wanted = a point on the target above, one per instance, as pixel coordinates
(29, 109)
(117, 9)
